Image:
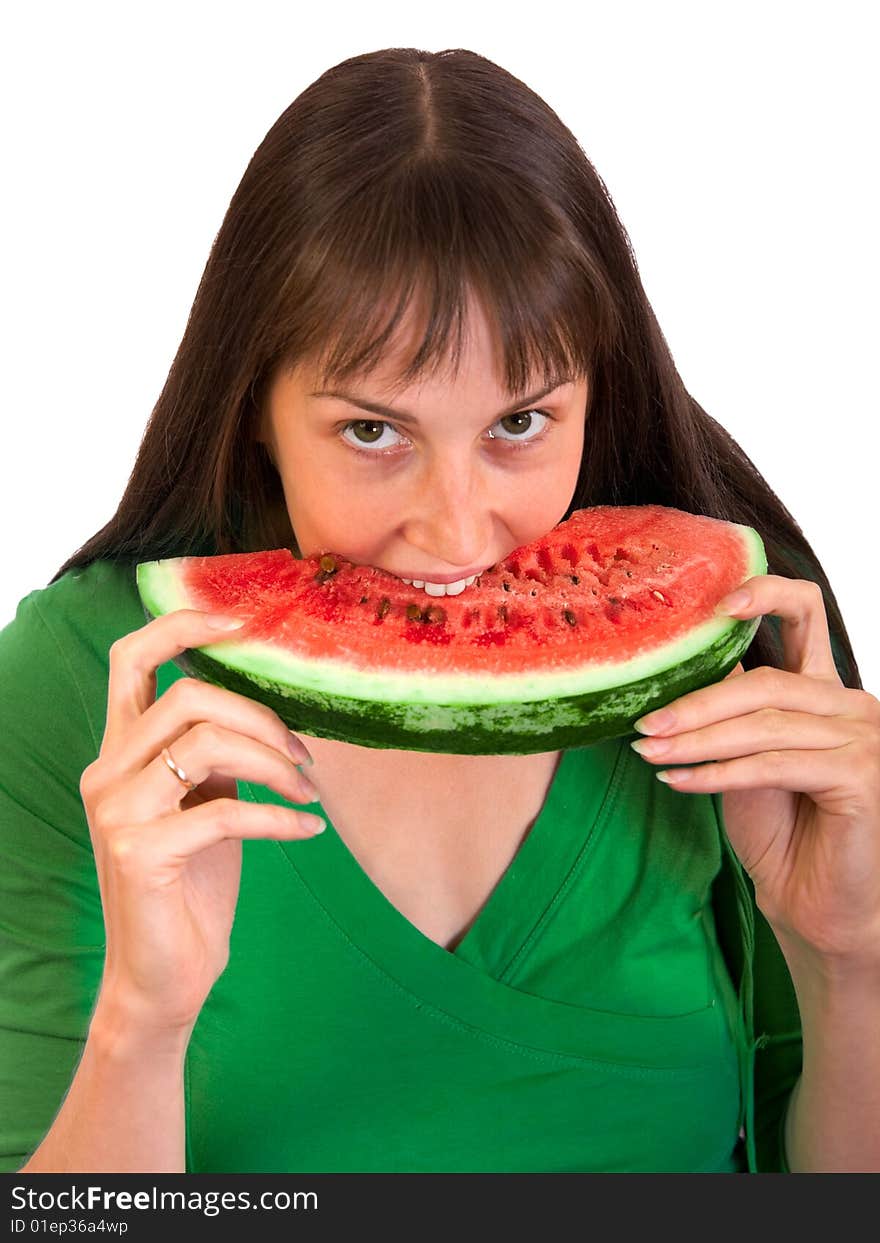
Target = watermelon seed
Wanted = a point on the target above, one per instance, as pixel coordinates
(502, 612)
(574, 579)
(383, 608)
(363, 600)
(434, 613)
(660, 596)
(533, 593)
(628, 573)
(569, 617)
(328, 567)
(413, 612)
(506, 586)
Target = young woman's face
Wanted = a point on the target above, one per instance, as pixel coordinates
(432, 497)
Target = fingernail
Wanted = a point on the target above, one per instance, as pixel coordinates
(655, 721)
(308, 789)
(651, 746)
(296, 749)
(314, 824)
(218, 622)
(735, 603)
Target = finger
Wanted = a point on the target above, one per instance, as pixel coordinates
(765, 687)
(178, 838)
(825, 774)
(768, 729)
(132, 687)
(806, 643)
(209, 749)
(136, 656)
(186, 703)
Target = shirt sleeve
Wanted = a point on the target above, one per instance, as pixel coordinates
(51, 920)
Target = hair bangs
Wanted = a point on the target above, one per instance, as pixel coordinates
(402, 283)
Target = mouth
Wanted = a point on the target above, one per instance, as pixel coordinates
(441, 586)
(442, 589)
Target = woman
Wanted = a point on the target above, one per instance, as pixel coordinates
(546, 962)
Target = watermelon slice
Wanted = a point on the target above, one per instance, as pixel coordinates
(564, 643)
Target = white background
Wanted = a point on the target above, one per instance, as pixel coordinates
(737, 141)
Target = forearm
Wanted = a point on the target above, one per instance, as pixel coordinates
(124, 1110)
(833, 1123)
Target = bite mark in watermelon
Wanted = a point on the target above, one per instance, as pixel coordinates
(564, 643)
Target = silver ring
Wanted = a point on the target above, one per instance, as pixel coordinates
(177, 770)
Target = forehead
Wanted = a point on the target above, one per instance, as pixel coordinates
(472, 357)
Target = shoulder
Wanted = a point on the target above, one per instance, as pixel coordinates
(95, 593)
(54, 661)
(70, 624)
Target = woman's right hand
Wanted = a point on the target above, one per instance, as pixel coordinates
(168, 858)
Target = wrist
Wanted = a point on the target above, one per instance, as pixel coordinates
(824, 980)
(118, 1034)
(858, 964)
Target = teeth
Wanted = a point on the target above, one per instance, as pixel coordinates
(442, 589)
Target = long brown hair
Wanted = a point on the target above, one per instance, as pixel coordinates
(405, 176)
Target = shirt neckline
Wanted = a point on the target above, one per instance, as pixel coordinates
(467, 985)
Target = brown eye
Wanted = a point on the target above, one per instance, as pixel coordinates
(521, 423)
(369, 424)
(372, 431)
(367, 433)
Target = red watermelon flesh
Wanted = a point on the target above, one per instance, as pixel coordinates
(609, 581)
(593, 624)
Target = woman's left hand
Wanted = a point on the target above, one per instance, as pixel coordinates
(797, 757)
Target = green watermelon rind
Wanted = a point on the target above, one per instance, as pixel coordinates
(507, 714)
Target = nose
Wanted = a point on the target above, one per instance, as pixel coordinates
(451, 517)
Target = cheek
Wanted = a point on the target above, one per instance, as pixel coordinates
(345, 519)
(549, 493)
(570, 468)
(545, 503)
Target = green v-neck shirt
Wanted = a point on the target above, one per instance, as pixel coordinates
(604, 1011)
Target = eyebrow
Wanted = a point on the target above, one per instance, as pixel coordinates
(404, 416)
